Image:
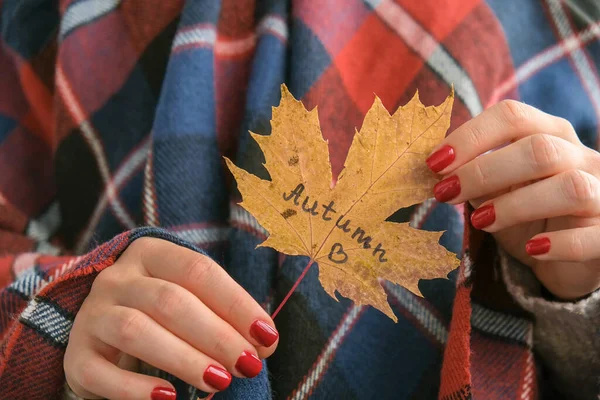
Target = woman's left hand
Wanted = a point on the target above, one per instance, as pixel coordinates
(537, 192)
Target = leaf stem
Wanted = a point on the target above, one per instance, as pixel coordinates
(287, 296)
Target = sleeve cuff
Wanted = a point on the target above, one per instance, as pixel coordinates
(566, 335)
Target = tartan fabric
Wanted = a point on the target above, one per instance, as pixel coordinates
(114, 115)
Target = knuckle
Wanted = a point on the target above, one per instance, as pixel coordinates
(86, 375)
(200, 269)
(566, 126)
(482, 176)
(514, 112)
(236, 305)
(143, 248)
(544, 152)
(130, 326)
(475, 137)
(107, 281)
(170, 300)
(142, 244)
(223, 345)
(575, 248)
(579, 187)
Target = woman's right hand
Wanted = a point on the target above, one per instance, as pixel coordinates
(174, 309)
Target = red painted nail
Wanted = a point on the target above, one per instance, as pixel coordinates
(217, 377)
(248, 364)
(535, 247)
(440, 159)
(483, 216)
(264, 333)
(447, 189)
(163, 393)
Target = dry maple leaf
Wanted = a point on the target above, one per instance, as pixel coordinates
(344, 228)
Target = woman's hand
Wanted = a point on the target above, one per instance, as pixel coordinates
(176, 310)
(537, 192)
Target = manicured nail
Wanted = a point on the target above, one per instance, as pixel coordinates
(163, 393)
(248, 364)
(440, 159)
(535, 247)
(217, 377)
(447, 189)
(263, 333)
(483, 216)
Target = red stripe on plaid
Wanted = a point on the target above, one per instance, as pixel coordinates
(6, 263)
(144, 19)
(108, 49)
(333, 21)
(11, 219)
(440, 18)
(338, 115)
(456, 374)
(20, 373)
(486, 69)
(500, 365)
(41, 103)
(30, 184)
(376, 60)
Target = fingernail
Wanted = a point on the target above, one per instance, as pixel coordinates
(483, 216)
(248, 364)
(163, 393)
(264, 333)
(447, 189)
(440, 159)
(535, 247)
(217, 377)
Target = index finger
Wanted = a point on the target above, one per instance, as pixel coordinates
(502, 123)
(213, 286)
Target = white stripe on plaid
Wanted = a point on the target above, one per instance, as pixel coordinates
(128, 167)
(432, 52)
(205, 35)
(543, 59)
(84, 12)
(585, 70)
(501, 324)
(416, 307)
(149, 206)
(46, 319)
(28, 283)
(238, 216)
(74, 108)
(203, 236)
(274, 25)
(418, 217)
(320, 366)
(43, 227)
(527, 382)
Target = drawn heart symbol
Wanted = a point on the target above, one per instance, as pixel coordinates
(337, 254)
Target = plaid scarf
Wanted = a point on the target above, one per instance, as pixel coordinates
(115, 115)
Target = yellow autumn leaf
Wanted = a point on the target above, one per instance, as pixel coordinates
(344, 228)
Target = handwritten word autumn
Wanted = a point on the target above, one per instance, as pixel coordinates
(337, 253)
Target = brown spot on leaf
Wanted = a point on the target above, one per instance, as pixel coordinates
(288, 213)
(293, 160)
